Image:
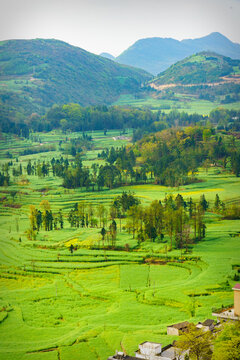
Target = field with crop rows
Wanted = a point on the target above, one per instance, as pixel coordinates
(58, 305)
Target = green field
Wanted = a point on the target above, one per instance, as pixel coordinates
(186, 103)
(61, 306)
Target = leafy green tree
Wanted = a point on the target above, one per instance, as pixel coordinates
(217, 203)
(60, 219)
(203, 203)
(227, 343)
(197, 341)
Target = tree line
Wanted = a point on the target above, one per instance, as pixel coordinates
(43, 218)
(182, 221)
(74, 117)
(174, 155)
(170, 157)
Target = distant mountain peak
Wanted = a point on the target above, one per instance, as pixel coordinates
(156, 54)
(107, 55)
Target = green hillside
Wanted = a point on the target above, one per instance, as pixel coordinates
(204, 67)
(34, 74)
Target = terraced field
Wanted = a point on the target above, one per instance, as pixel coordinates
(58, 305)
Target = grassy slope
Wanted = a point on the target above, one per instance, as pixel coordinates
(83, 305)
(52, 71)
(205, 67)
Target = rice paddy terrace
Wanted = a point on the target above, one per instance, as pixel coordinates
(58, 305)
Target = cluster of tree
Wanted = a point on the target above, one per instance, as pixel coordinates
(173, 156)
(174, 217)
(230, 211)
(82, 215)
(225, 119)
(182, 221)
(4, 174)
(73, 117)
(77, 144)
(4, 179)
(17, 171)
(41, 169)
(37, 150)
(77, 118)
(43, 218)
(198, 344)
(85, 215)
(225, 93)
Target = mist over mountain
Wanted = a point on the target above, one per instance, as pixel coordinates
(157, 54)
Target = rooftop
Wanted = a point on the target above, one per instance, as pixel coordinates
(180, 325)
(150, 344)
(208, 322)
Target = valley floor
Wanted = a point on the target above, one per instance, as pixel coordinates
(61, 306)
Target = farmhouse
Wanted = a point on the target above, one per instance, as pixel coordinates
(175, 329)
(231, 313)
(207, 325)
(154, 351)
(148, 349)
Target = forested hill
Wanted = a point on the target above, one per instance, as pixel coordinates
(157, 54)
(34, 74)
(201, 68)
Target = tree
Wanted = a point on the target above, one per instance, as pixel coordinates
(31, 233)
(227, 343)
(13, 193)
(60, 219)
(197, 341)
(103, 233)
(29, 168)
(38, 219)
(217, 203)
(113, 232)
(169, 223)
(203, 202)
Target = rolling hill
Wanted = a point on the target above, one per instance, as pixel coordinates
(202, 68)
(157, 54)
(35, 74)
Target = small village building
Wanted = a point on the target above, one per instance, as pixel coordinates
(175, 329)
(154, 351)
(148, 350)
(207, 325)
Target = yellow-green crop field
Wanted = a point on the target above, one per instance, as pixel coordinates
(58, 305)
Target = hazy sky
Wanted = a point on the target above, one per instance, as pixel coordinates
(113, 25)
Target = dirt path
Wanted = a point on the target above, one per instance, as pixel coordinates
(225, 80)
